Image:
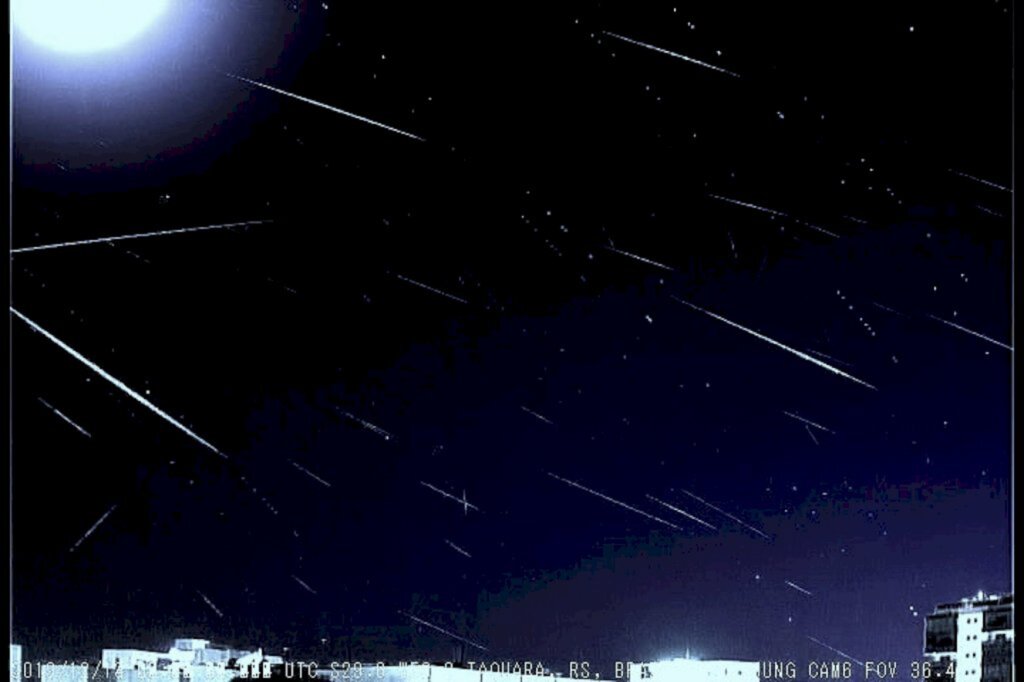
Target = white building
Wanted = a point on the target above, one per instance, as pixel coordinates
(694, 670)
(194, 659)
(257, 664)
(973, 638)
(130, 659)
(16, 672)
(191, 644)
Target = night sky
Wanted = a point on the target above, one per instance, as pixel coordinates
(574, 263)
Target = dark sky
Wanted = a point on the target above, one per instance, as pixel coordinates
(494, 310)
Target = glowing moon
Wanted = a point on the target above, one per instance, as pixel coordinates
(83, 26)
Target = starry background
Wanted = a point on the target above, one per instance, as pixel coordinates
(497, 303)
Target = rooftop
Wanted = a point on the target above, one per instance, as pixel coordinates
(978, 601)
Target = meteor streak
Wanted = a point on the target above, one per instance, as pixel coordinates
(639, 258)
(210, 604)
(309, 473)
(119, 384)
(458, 549)
(773, 212)
(93, 528)
(66, 418)
(141, 235)
(367, 425)
(465, 505)
(829, 357)
(130, 253)
(671, 54)
(442, 630)
(811, 434)
(981, 180)
(746, 205)
(725, 513)
(326, 106)
(680, 511)
(972, 332)
(985, 209)
(833, 649)
(794, 351)
(798, 588)
(808, 421)
(421, 285)
(614, 501)
(538, 416)
(887, 309)
(304, 585)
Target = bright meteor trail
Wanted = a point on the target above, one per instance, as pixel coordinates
(671, 54)
(93, 528)
(431, 289)
(465, 505)
(771, 211)
(303, 583)
(309, 473)
(614, 501)
(725, 513)
(210, 604)
(981, 180)
(66, 418)
(326, 106)
(141, 235)
(808, 421)
(798, 588)
(794, 351)
(639, 258)
(972, 332)
(680, 511)
(119, 384)
(744, 204)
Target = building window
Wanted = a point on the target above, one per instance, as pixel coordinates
(1000, 618)
(997, 660)
(940, 633)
